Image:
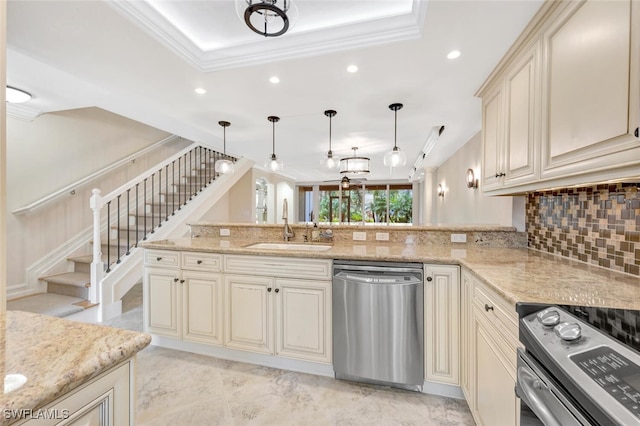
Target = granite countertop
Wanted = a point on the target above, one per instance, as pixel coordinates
(517, 274)
(57, 355)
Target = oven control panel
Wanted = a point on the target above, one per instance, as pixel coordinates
(614, 373)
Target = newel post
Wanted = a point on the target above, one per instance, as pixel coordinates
(97, 266)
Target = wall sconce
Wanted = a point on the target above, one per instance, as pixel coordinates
(472, 182)
(440, 191)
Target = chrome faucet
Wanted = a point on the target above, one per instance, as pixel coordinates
(287, 232)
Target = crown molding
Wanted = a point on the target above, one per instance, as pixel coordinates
(22, 112)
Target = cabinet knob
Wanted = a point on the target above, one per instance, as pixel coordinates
(181, 281)
(637, 132)
(175, 280)
(158, 259)
(269, 289)
(199, 262)
(488, 308)
(277, 290)
(429, 279)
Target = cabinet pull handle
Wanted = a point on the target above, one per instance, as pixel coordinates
(637, 132)
(497, 175)
(429, 279)
(158, 258)
(488, 308)
(199, 262)
(175, 280)
(269, 289)
(277, 290)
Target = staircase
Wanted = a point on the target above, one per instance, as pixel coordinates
(162, 196)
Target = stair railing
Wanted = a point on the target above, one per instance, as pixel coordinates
(187, 173)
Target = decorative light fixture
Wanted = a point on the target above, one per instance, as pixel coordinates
(355, 164)
(331, 161)
(16, 96)
(344, 183)
(395, 157)
(274, 164)
(224, 166)
(440, 191)
(264, 17)
(472, 182)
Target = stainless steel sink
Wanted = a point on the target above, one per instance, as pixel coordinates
(289, 246)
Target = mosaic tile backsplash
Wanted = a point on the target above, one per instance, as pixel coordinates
(598, 224)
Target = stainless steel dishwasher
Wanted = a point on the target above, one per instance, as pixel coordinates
(378, 323)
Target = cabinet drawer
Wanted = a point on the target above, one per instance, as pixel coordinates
(498, 312)
(288, 267)
(201, 261)
(165, 258)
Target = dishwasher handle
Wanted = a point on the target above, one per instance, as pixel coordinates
(372, 268)
(373, 278)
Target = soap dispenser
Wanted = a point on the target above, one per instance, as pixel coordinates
(315, 233)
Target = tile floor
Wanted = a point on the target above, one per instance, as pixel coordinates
(180, 388)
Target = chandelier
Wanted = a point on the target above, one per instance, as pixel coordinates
(355, 164)
(269, 18)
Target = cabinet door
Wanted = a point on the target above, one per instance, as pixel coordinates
(466, 294)
(591, 89)
(442, 327)
(303, 319)
(202, 307)
(162, 301)
(521, 118)
(494, 399)
(492, 139)
(249, 313)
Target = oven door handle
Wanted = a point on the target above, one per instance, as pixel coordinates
(532, 387)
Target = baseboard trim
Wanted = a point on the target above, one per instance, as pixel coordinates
(443, 389)
(241, 356)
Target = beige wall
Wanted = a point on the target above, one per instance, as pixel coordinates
(462, 205)
(3, 158)
(53, 151)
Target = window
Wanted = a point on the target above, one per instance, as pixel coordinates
(374, 204)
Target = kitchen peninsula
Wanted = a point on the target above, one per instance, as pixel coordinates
(56, 369)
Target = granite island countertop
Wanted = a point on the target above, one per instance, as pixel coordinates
(517, 274)
(57, 355)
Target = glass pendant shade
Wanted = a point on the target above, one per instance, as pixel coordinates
(330, 161)
(395, 157)
(273, 163)
(224, 166)
(16, 96)
(355, 164)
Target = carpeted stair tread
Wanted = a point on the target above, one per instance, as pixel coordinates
(77, 279)
(56, 305)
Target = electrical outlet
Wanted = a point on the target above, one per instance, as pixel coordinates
(359, 236)
(458, 238)
(224, 232)
(382, 236)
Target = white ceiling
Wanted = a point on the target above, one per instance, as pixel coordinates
(143, 60)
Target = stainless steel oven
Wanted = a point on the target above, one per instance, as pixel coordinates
(579, 366)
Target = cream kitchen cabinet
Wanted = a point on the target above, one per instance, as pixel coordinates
(591, 89)
(184, 299)
(466, 311)
(278, 306)
(490, 330)
(442, 324)
(563, 106)
(510, 114)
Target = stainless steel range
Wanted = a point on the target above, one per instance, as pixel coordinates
(578, 366)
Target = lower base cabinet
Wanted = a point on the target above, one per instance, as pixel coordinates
(489, 331)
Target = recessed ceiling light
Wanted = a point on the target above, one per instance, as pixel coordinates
(16, 96)
(200, 91)
(352, 68)
(274, 80)
(453, 54)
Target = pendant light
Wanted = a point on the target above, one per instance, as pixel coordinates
(355, 164)
(331, 161)
(269, 18)
(274, 164)
(395, 157)
(224, 165)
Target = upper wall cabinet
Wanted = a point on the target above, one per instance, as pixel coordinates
(563, 106)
